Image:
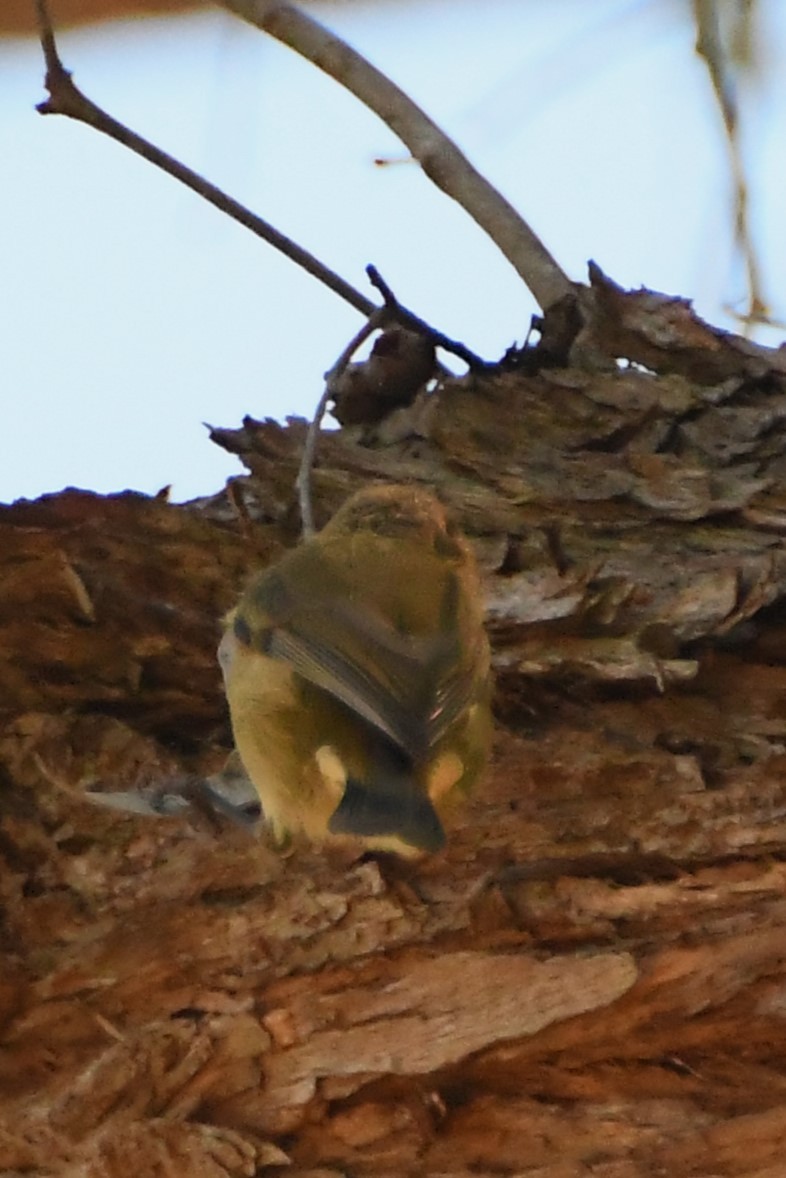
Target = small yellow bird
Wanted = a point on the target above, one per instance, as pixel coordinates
(357, 674)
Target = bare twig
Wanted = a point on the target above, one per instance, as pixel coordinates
(710, 46)
(47, 37)
(412, 322)
(439, 157)
(390, 312)
(377, 281)
(303, 481)
(65, 98)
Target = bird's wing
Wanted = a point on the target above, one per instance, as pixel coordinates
(409, 687)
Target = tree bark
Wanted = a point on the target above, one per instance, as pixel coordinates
(591, 979)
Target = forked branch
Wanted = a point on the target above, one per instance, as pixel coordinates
(439, 157)
(65, 98)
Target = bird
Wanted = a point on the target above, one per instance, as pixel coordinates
(357, 674)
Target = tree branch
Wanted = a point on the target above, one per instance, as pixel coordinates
(439, 157)
(303, 480)
(399, 314)
(65, 98)
(710, 46)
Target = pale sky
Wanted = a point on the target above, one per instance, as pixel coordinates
(133, 312)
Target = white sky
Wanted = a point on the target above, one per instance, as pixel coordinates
(133, 312)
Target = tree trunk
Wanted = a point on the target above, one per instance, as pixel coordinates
(592, 978)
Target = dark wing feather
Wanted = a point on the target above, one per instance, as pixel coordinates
(409, 688)
(377, 686)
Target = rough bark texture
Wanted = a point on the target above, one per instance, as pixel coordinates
(592, 979)
(17, 17)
